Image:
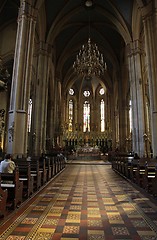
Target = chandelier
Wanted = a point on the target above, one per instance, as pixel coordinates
(89, 61)
(4, 76)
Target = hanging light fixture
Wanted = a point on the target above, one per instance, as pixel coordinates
(89, 61)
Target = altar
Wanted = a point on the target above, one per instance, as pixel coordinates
(88, 152)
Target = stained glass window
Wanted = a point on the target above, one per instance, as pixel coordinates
(101, 91)
(130, 115)
(102, 115)
(86, 93)
(29, 115)
(71, 107)
(71, 91)
(86, 117)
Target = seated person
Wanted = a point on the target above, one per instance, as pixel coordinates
(7, 165)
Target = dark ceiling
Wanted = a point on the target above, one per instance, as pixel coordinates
(69, 23)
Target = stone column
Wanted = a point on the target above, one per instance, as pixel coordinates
(150, 30)
(122, 100)
(122, 123)
(94, 115)
(57, 108)
(136, 92)
(128, 133)
(51, 123)
(20, 91)
(111, 120)
(80, 113)
(40, 100)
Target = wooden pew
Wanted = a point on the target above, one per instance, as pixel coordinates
(3, 200)
(11, 182)
(127, 166)
(133, 169)
(150, 171)
(122, 162)
(118, 162)
(125, 161)
(115, 162)
(154, 184)
(140, 173)
(25, 176)
(57, 163)
(48, 168)
(52, 165)
(62, 163)
(41, 167)
(35, 173)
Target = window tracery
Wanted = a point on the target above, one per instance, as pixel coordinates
(71, 107)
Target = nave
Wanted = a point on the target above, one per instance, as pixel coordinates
(85, 202)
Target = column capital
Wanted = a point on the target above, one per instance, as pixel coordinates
(27, 10)
(44, 49)
(134, 47)
(147, 10)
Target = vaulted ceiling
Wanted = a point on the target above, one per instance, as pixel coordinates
(68, 23)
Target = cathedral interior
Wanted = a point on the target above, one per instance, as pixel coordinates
(78, 102)
(50, 97)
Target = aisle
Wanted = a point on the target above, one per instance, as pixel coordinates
(86, 202)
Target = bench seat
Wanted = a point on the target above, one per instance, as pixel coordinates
(14, 186)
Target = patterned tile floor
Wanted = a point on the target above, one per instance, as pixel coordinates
(85, 202)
